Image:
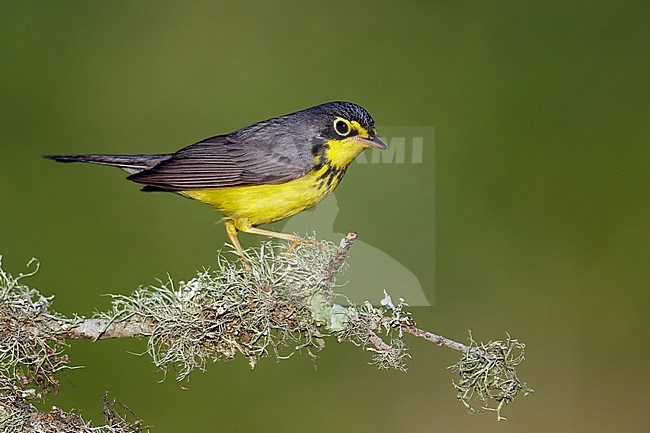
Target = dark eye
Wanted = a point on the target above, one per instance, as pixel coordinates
(341, 127)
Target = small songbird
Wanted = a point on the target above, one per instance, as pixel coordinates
(261, 173)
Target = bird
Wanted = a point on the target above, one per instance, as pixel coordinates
(261, 173)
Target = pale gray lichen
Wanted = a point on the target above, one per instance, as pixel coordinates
(488, 375)
(256, 310)
(31, 352)
(281, 301)
(19, 415)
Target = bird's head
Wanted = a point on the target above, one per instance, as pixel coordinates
(345, 130)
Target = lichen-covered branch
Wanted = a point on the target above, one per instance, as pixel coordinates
(19, 415)
(32, 349)
(280, 303)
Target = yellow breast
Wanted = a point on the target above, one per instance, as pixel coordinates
(261, 204)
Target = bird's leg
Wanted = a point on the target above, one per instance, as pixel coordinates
(231, 230)
(243, 225)
(294, 239)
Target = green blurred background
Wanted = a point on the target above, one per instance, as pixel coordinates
(542, 209)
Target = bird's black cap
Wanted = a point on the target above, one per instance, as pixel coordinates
(349, 111)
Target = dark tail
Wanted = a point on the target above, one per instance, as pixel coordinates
(130, 163)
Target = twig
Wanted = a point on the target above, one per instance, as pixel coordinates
(102, 329)
(337, 260)
(135, 327)
(437, 339)
(379, 343)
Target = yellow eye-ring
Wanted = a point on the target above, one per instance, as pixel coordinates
(342, 127)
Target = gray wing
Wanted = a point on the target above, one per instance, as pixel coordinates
(251, 156)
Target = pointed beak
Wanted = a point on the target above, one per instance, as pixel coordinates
(374, 141)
